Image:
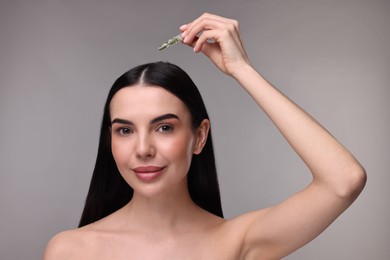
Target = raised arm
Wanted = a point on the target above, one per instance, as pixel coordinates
(338, 178)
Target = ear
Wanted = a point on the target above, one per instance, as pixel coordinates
(201, 136)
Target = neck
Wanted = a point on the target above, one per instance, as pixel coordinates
(166, 212)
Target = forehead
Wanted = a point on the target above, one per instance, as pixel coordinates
(145, 101)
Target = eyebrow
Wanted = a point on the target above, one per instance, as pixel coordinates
(153, 121)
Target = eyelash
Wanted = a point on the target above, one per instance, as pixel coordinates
(166, 131)
(121, 129)
(161, 129)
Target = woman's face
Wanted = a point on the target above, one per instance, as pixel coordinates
(153, 139)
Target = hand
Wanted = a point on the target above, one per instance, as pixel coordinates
(219, 39)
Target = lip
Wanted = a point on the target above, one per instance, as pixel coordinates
(148, 173)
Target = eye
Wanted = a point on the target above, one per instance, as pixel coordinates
(165, 129)
(124, 131)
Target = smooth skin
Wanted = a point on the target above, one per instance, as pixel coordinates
(163, 223)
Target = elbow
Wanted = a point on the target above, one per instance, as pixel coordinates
(353, 184)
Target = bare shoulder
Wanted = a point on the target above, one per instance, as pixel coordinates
(61, 245)
(81, 243)
(68, 244)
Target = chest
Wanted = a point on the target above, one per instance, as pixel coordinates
(184, 247)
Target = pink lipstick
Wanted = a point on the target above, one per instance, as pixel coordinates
(148, 173)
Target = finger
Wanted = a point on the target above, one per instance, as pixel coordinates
(199, 27)
(227, 36)
(203, 39)
(183, 27)
(223, 41)
(201, 20)
(202, 46)
(211, 50)
(206, 21)
(191, 44)
(213, 17)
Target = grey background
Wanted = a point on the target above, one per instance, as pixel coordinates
(59, 58)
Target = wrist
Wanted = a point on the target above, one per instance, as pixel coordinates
(242, 71)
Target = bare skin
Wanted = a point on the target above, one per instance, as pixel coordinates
(162, 223)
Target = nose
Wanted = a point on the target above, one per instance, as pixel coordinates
(145, 146)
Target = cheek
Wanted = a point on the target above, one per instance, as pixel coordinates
(120, 151)
(179, 148)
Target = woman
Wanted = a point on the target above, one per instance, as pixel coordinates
(156, 136)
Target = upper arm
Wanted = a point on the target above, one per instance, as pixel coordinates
(280, 230)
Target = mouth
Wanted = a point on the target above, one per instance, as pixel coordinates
(148, 173)
(148, 169)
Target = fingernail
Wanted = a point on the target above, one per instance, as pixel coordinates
(183, 27)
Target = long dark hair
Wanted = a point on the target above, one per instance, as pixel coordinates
(108, 191)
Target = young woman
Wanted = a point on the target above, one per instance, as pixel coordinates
(154, 192)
